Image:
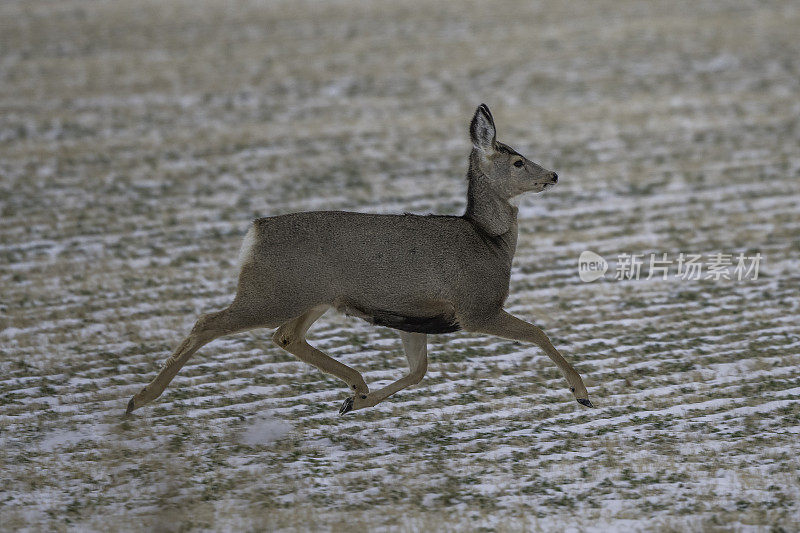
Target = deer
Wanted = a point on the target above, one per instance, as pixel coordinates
(418, 274)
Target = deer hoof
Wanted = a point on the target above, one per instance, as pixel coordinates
(587, 403)
(347, 406)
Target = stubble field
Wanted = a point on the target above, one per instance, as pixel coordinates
(138, 140)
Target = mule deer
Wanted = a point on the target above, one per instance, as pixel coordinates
(417, 274)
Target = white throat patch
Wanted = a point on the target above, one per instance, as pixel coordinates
(515, 200)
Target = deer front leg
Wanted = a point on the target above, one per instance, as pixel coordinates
(510, 327)
(415, 346)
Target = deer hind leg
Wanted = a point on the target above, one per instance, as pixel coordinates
(207, 328)
(510, 327)
(291, 336)
(415, 346)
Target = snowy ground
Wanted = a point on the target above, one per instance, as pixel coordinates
(137, 140)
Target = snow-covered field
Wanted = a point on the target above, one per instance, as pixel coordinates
(138, 139)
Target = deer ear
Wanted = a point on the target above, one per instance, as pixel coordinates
(481, 129)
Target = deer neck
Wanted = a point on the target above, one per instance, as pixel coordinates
(490, 212)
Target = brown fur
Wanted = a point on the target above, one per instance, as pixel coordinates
(416, 274)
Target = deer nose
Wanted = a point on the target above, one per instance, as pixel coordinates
(554, 176)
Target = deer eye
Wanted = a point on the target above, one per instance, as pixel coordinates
(518, 163)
